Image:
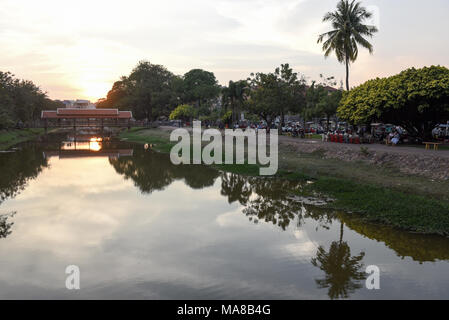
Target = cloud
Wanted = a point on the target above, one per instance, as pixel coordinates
(85, 46)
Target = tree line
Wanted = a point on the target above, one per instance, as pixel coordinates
(152, 92)
(415, 99)
(21, 101)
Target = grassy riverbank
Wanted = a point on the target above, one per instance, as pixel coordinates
(376, 194)
(9, 138)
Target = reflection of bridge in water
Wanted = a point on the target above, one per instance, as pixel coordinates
(78, 147)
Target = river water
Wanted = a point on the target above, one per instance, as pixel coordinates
(139, 227)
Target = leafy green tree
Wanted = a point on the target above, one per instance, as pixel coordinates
(21, 101)
(183, 112)
(149, 90)
(328, 104)
(274, 94)
(115, 96)
(292, 91)
(264, 97)
(322, 99)
(177, 90)
(236, 95)
(200, 86)
(224, 94)
(416, 99)
(313, 96)
(348, 31)
(227, 117)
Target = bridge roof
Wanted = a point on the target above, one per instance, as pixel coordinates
(73, 113)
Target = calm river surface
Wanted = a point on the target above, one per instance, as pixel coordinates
(139, 227)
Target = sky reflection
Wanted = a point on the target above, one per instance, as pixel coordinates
(176, 241)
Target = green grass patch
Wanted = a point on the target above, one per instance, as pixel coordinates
(9, 138)
(292, 175)
(242, 169)
(157, 139)
(386, 206)
(316, 136)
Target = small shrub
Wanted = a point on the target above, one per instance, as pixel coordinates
(364, 151)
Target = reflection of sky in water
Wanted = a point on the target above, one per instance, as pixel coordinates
(175, 243)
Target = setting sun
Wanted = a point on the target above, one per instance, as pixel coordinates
(95, 90)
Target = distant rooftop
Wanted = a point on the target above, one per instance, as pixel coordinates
(77, 113)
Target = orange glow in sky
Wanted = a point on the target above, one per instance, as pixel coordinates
(78, 49)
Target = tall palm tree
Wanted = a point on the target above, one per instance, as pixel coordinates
(348, 32)
(236, 91)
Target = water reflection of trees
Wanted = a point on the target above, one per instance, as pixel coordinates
(270, 200)
(342, 272)
(419, 247)
(151, 171)
(5, 226)
(271, 203)
(17, 169)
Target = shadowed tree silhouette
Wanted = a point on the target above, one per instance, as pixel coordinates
(153, 171)
(342, 271)
(264, 199)
(148, 172)
(236, 188)
(196, 176)
(420, 247)
(5, 226)
(17, 168)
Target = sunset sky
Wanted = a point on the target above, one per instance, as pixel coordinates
(77, 49)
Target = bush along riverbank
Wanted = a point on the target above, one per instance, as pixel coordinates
(370, 202)
(9, 138)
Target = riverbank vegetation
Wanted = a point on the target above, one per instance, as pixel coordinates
(9, 138)
(21, 102)
(386, 206)
(376, 194)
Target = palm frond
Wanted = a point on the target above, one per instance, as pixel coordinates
(348, 31)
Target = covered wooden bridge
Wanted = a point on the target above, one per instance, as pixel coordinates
(73, 117)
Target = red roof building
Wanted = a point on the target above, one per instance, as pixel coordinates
(72, 113)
